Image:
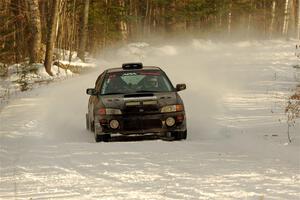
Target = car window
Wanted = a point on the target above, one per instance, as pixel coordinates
(99, 81)
(137, 81)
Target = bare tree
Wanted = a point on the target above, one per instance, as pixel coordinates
(273, 18)
(298, 21)
(229, 19)
(292, 19)
(122, 24)
(83, 31)
(249, 20)
(35, 30)
(286, 18)
(51, 37)
(171, 22)
(18, 27)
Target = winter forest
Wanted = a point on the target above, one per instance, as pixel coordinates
(32, 28)
(228, 116)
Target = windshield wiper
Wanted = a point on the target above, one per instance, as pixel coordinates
(112, 93)
(141, 91)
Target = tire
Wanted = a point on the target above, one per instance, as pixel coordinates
(87, 122)
(98, 138)
(183, 135)
(92, 126)
(179, 135)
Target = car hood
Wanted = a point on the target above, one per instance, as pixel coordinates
(120, 101)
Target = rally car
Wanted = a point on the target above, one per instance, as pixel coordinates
(135, 100)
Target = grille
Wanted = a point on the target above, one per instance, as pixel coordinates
(151, 123)
(141, 109)
(131, 125)
(135, 125)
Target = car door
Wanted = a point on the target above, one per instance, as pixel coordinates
(93, 101)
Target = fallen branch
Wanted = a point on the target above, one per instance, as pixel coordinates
(74, 67)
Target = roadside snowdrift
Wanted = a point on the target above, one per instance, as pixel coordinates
(18, 78)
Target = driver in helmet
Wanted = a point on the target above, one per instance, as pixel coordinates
(151, 83)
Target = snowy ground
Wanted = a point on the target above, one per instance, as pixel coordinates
(237, 144)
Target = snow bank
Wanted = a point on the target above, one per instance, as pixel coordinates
(22, 77)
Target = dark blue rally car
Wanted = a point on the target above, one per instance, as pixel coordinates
(136, 100)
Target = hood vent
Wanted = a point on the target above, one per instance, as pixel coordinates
(138, 95)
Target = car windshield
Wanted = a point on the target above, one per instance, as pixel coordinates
(135, 82)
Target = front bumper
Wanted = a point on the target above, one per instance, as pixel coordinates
(140, 124)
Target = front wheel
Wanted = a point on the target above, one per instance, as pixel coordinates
(87, 122)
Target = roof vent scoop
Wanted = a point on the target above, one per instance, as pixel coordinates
(132, 66)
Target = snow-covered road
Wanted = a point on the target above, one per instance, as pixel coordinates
(236, 149)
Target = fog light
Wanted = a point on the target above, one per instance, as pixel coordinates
(170, 121)
(114, 124)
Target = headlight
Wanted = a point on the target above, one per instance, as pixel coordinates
(110, 111)
(172, 108)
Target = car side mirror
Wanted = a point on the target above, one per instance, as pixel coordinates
(180, 87)
(91, 91)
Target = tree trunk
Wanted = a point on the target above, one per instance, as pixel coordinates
(265, 19)
(229, 19)
(83, 31)
(163, 19)
(51, 37)
(249, 21)
(285, 20)
(131, 21)
(72, 35)
(146, 18)
(19, 27)
(122, 24)
(273, 18)
(44, 10)
(35, 31)
(171, 20)
(292, 21)
(298, 21)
